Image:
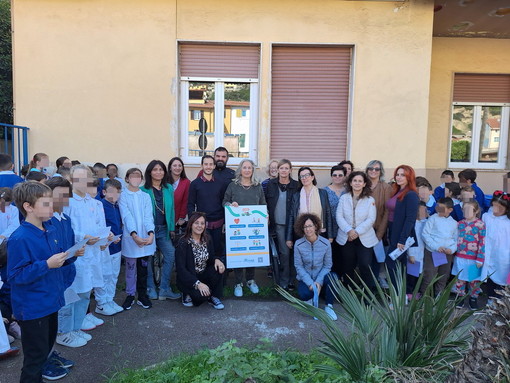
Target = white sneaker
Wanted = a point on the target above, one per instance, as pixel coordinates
(383, 283)
(115, 306)
(96, 320)
(88, 324)
(253, 286)
(238, 290)
(83, 335)
(105, 309)
(70, 339)
(329, 310)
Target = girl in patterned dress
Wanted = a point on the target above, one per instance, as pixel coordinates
(470, 253)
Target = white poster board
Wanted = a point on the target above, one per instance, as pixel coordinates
(246, 236)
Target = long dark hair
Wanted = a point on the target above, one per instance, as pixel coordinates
(148, 177)
(192, 219)
(367, 191)
(170, 176)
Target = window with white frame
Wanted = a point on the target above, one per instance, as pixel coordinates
(480, 121)
(479, 136)
(220, 81)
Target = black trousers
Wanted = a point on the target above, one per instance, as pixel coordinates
(141, 276)
(211, 278)
(37, 338)
(354, 254)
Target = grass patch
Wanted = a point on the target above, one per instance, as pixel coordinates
(229, 363)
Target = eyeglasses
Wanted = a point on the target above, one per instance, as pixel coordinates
(305, 176)
(337, 175)
(309, 227)
(374, 169)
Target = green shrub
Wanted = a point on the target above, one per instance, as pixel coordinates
(423, 339)
(229, 363)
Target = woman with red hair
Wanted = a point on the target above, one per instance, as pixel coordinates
(402, 212)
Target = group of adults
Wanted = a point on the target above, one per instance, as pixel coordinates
(320, 233)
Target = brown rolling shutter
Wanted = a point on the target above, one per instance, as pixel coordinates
(219, 60)
(309, 103)
(469, 87)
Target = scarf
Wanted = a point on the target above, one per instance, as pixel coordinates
(312, 204)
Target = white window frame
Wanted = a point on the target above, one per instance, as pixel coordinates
(219, 113)
(475, 138)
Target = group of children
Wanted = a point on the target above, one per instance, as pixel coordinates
(67, 246)
(459, 235)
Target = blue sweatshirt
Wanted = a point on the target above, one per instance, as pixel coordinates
(112, 215)
(65, 233)
(36, 290)
(9, 179)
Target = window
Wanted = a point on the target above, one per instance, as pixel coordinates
(480, 121)
(310, 103)
(220, 81)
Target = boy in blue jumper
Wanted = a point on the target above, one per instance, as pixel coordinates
(467, 177)
(37, 281)
(7, 177)
(69, 333)
(111, 266)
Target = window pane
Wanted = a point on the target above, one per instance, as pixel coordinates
(462, 133)
(236, 127)
(201, 119)
(488, 150)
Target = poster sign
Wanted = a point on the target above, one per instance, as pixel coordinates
(246, 236)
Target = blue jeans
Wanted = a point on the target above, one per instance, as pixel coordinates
(70, 317)
(167, 249)
(306, 294)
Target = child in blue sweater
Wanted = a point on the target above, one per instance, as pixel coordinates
(37, 281)
(111, 265)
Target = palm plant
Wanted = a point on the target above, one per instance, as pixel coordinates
(411, 342)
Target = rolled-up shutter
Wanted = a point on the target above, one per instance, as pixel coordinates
(477, 88)
(309, 102)
(219, 61)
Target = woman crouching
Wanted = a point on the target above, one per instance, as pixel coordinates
(198, 270)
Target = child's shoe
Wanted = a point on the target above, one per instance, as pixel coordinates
(90, 322)
(128, 302)
(53, 372)
(83, 335)
(473, 303)
(145, 302)
(115, 306)
(70, 339)
(56, 359)
(105, 309)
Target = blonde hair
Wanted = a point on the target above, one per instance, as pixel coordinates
(237, 179)
(81, 167)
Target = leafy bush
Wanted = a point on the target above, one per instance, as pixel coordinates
(418, 342)
(231, 364)
(460, 151)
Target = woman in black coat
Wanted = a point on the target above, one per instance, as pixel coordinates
(199, 271)
(309, 199)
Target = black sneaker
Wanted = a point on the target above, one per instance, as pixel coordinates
(459, 302)
(473, 303)
(128, 302)
(291, 287)
(145, 302)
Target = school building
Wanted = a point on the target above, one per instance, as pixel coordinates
(421, 82)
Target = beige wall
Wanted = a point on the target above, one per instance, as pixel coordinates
(451, 55)
(96, 80)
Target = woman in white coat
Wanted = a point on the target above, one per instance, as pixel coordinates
(355, 216)
(137, 238)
